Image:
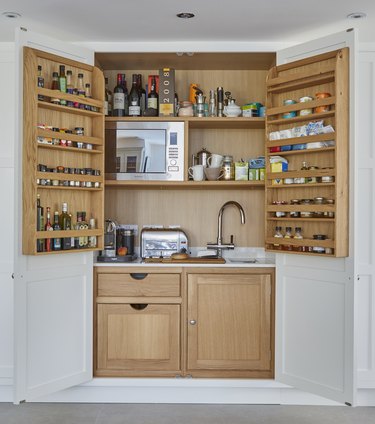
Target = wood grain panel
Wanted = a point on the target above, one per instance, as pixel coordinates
(130, 339)
(233, 322)
(127, 285)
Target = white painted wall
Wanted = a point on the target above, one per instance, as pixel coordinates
(7, 125)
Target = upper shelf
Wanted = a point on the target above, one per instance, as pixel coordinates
(195, 122)
(221, 185)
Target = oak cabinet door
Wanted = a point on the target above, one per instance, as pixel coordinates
(136, 337)
(229, 322)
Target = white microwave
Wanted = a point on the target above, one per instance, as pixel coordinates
(144, 150)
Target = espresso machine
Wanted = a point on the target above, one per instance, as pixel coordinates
(115, 239)
(110, 242)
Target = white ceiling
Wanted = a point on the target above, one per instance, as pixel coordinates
(216, 20)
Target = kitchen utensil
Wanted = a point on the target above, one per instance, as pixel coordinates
(215, 160)
(196, 172)
(213, 174)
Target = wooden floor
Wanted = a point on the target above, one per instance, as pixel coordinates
(38, 413)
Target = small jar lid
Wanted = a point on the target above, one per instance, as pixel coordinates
(319, 237)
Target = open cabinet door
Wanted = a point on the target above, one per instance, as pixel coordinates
(315, 295)
(52, 293)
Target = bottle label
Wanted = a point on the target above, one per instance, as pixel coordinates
(134, 110)
(152, 102)
(106, 108)
(119, 101)
(62, 83)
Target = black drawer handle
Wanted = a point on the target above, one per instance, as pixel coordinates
(139, 306)
(138, 275)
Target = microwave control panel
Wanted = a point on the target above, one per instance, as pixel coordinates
(174, 155)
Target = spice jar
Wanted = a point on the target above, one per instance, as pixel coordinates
(277, 234)
(288, 235)
(228, 168)
(311, 179)
(307, 214)
(280, 214)
(325, 108)
(319, 249)
(329, 214)
(295, 214)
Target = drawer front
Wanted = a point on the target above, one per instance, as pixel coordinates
(138, 284)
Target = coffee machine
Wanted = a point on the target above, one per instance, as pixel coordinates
(110, 240)
(115, 239)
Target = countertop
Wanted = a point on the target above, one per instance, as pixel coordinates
(262, 260)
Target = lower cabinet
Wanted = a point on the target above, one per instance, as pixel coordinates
(200, 322)
(230, 325)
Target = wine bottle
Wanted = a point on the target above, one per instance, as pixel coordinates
(65, 224)
(142, 94)
(153, 98)
(56, 244)
(134, 99)
(48, 227)
(62, 83)
(39, 223)
(119, 98)
(126, 94)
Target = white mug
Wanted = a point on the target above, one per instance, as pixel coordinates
(196, 172)
(215, 160)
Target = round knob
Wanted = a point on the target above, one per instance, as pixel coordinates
(192, 322)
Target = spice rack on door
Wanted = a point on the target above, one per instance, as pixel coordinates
(37, 149)
(328, 72)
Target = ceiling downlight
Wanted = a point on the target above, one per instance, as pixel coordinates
(185, 15)
(11, 15)
(357, 15)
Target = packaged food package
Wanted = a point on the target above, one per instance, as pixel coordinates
(278, 164)
(241, 171)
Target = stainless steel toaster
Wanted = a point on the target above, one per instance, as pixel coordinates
(161, 243)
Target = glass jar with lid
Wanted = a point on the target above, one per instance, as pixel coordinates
(228, 168)
(295, 214)
(288, 235)
(277, 234)
(307, 214)
(319, 249)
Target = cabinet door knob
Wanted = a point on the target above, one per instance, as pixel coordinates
(192, 322)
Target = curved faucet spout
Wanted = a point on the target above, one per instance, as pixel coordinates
(220, 218)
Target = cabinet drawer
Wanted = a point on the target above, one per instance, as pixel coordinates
(138, 284)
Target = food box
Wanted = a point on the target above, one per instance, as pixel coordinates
(166, 92)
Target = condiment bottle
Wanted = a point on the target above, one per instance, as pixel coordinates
(288, 235)
(277, 234)
(298, 236)
(228, 168)
(55, 86)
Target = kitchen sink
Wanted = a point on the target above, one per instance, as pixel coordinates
(242, 260)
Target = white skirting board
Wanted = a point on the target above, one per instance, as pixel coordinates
(181, 391)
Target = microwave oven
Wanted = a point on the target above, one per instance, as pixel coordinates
(144, 150)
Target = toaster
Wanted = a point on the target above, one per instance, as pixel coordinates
(162, 242)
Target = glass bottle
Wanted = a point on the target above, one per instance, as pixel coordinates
(62, 83)
(277, 234)
(298, 236)
(69, 87)
(106, 98)
(288, 235)
(142, 94)
(153, 98)
(39, 223)
(48, 227)
(126, 94)
(134, 98)
(65, 222)
(119, 98)
(304, 168)
(40, 82)
(56, 244)
(89, 96)
(212, 104)
(55, 86)
(92, 239)
(109, 96)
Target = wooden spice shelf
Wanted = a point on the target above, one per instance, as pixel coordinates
(222, 185)
(67, 109)
(73, 137)
(304, 118)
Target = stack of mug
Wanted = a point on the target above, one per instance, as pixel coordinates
(212, 170)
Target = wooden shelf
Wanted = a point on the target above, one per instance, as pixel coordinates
(34, 152)
(73, 137)
(221, 185)
(327, 72)
(199, 123)
(308, 118)
(66, 109)
(327, 255)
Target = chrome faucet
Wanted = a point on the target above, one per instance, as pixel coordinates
(219, 245)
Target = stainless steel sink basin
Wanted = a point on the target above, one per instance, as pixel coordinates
(242, 260)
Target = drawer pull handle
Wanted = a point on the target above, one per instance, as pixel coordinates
(138, 275)
(139, 306)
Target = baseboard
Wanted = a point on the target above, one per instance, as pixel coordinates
(186, 391)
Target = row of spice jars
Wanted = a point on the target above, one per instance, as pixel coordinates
(58, 141)
(67, 170)
(297, 235)
(66, 183)
(307, 111)
(305, 214)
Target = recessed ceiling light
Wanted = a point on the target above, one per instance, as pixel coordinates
(11, 15)
(356, 15)
(185, 15)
